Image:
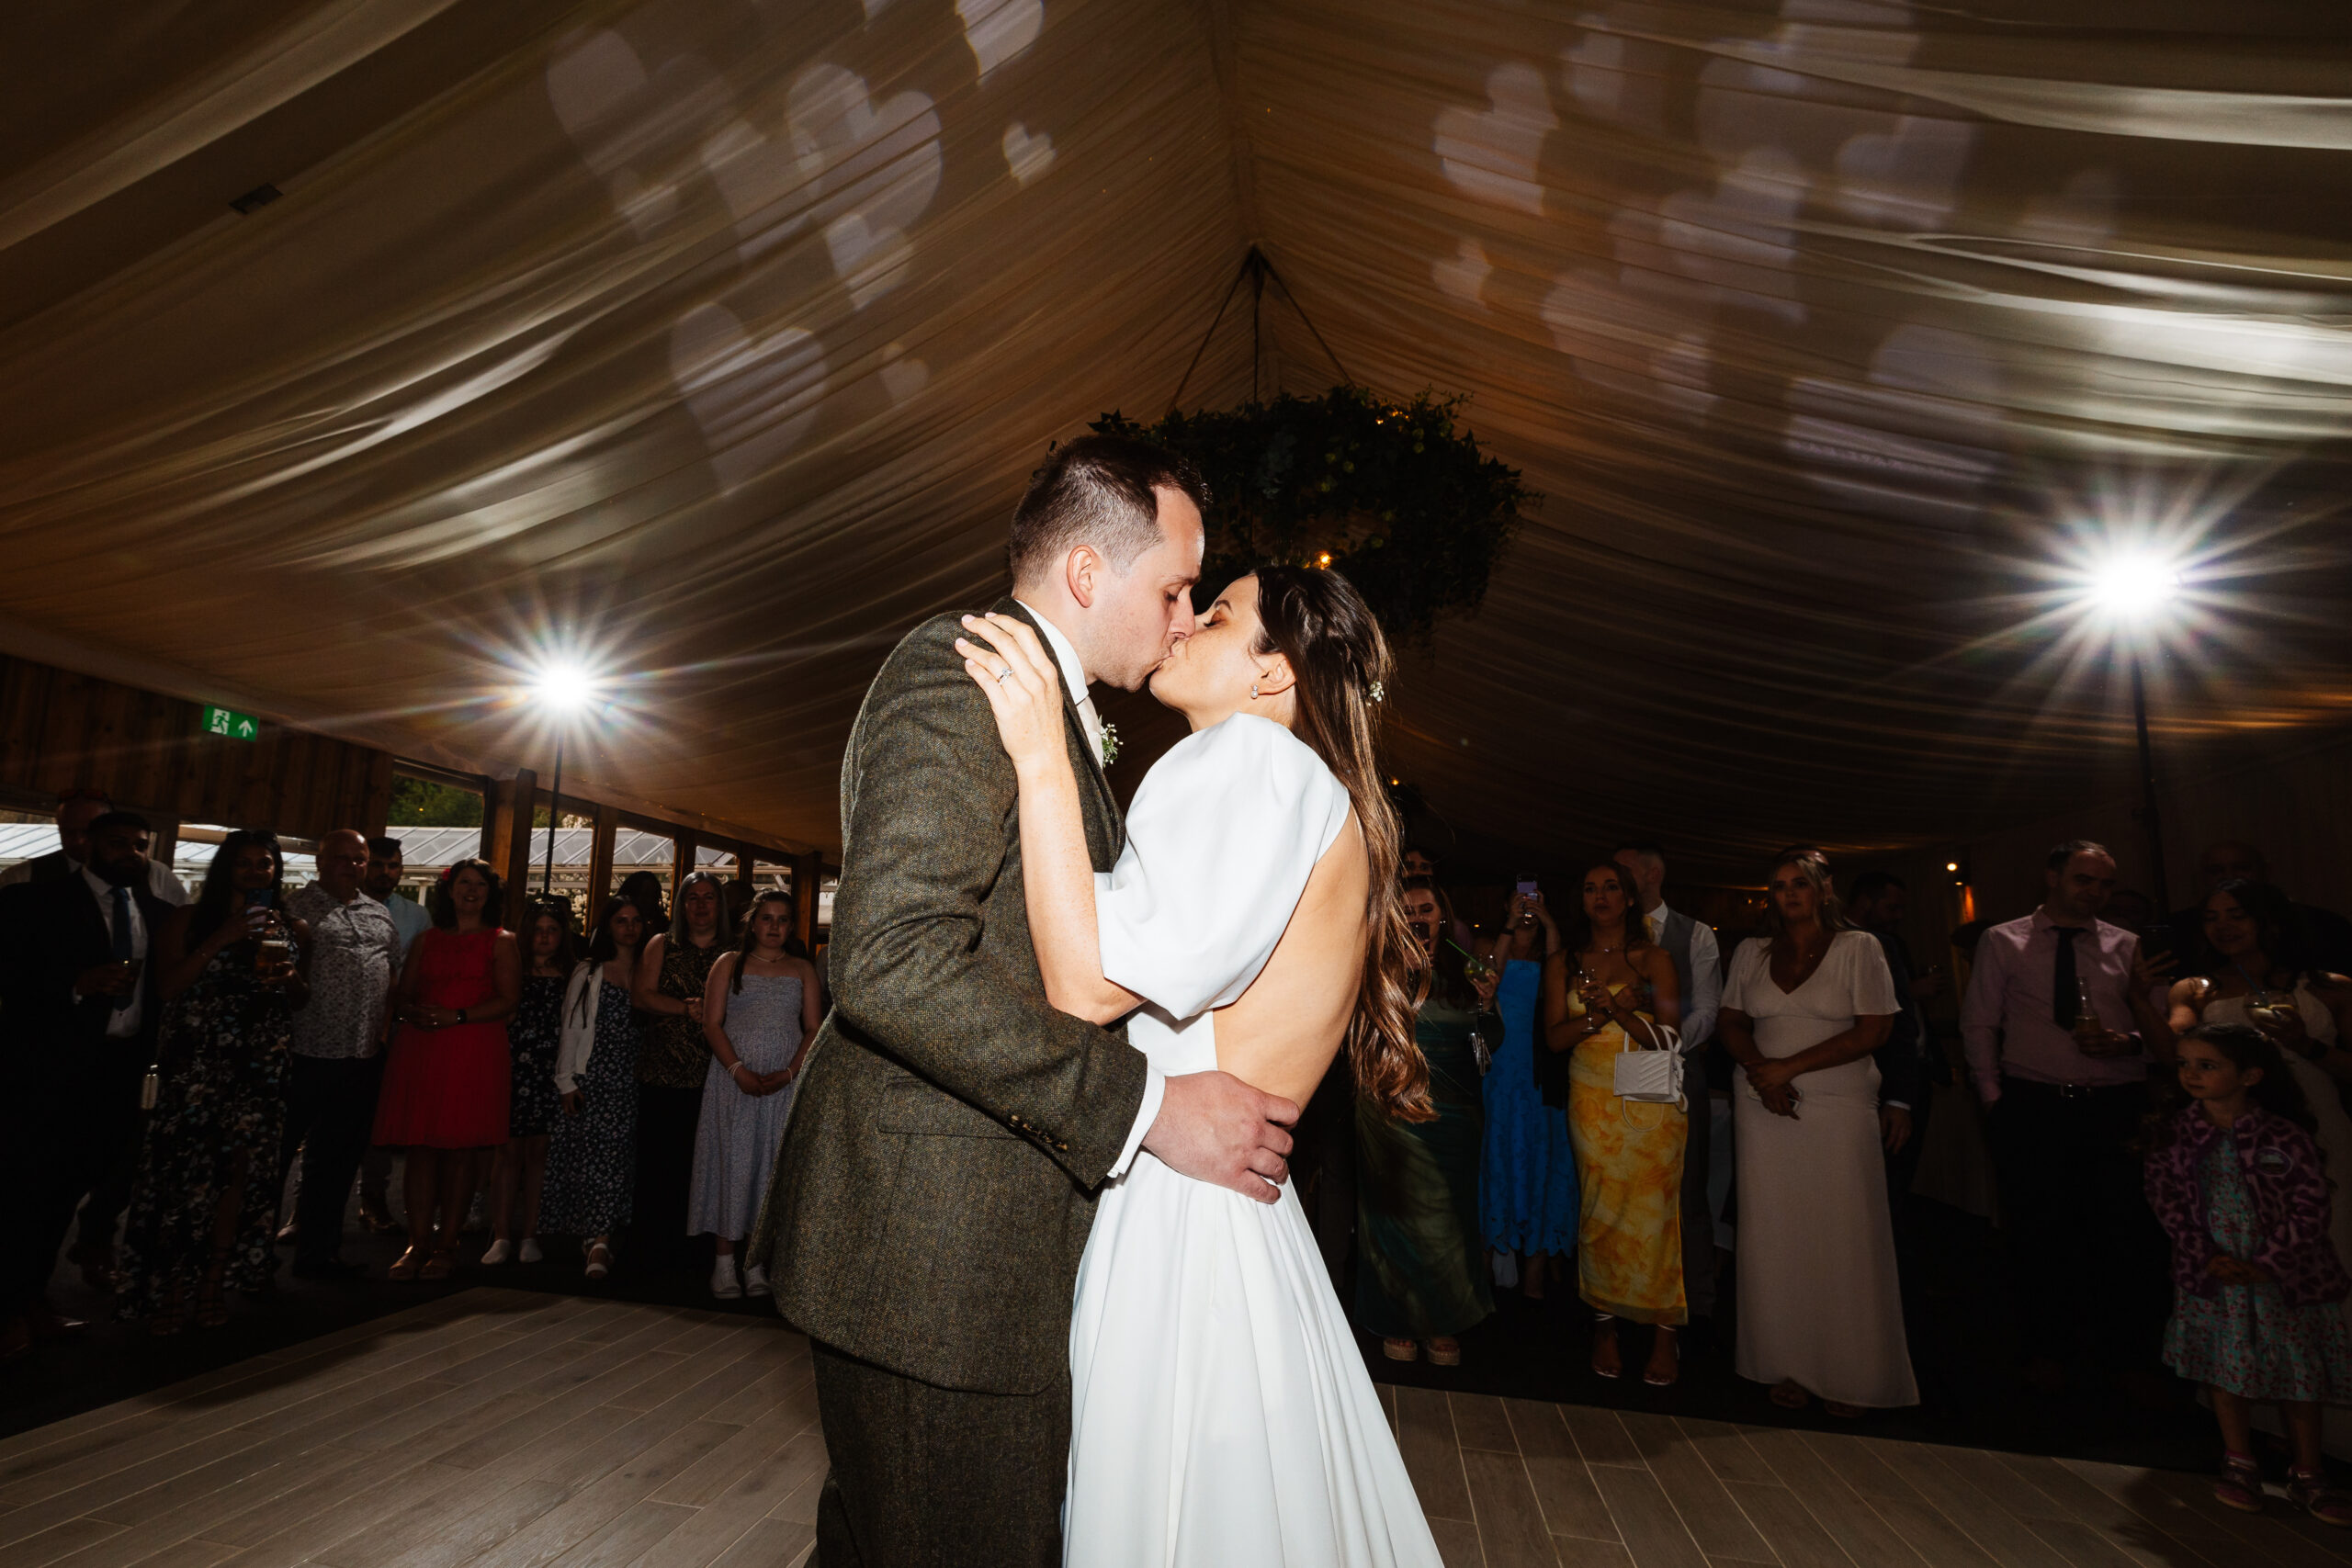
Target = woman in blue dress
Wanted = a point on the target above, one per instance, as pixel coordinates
(1527, 1187)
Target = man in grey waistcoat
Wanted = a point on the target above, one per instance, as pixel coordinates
(1698, 968)
(952, 1129)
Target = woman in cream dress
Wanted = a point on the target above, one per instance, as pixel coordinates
(1820, 1309)
(1222, 1416)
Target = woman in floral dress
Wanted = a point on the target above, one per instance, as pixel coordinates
(198, 1221)
(518, 1171)
(592, 1153)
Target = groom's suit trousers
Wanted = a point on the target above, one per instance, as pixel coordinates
(929, 1477)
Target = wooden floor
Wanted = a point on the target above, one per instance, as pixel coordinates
(1510, 1482)
(503, 1429)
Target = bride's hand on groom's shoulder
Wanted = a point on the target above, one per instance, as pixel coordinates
(1011, 666)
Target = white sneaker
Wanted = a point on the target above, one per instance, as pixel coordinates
(755, 1280)
(497, 1252)
(723, 1283)
(531, 1252)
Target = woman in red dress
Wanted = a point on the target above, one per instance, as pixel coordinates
(446, 1084)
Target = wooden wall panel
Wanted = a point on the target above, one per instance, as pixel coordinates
(23, 697)
(375, 795)
(61, 748)
(62, 730)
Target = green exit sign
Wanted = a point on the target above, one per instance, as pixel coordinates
(229, 722)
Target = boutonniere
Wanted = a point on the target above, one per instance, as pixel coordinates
(1109, 744)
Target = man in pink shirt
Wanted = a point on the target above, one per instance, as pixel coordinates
(2059, 1023)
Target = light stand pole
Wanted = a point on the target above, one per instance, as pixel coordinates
(2148, 821)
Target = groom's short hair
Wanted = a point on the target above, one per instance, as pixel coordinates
(1098, 491)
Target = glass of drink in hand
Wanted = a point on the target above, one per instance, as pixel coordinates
(2272, 1010)
(271, 951)
(2087, 1028)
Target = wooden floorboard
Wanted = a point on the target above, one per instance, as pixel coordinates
(497, 1429)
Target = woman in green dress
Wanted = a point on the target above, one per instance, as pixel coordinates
(1423, 1278)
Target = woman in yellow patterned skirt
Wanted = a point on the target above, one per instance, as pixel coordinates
(1611, 988)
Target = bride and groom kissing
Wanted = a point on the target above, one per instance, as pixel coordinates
(1033, 1215)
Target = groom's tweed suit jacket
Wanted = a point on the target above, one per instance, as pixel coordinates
(939, 1179)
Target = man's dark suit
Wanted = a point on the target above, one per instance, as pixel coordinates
(71, 1093)
(1903, 1073)
(951, 1134)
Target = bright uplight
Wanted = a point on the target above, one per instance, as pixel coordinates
(2132, 584)
(563, 689)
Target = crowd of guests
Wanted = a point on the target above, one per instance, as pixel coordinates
(2163, 1106)
(207, 1077)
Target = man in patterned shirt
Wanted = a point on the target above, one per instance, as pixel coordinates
(337, 1045)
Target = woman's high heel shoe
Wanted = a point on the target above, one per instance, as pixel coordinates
(407, 1264)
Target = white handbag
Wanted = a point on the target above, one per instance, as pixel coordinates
(1651, 1076)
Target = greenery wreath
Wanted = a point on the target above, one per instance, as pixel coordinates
(1398, 497)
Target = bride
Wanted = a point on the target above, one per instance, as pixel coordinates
(1222, 1414)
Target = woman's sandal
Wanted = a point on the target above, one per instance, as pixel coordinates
(170, 1318)
(405, 1266)
(1401, 1349)
(1649, 1375)
(1844, 1412)
(1791, 1394)
(211, 1308)
(440, 1266)
(1445, 1352)
(1615, 1367)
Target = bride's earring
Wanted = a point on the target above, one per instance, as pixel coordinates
(1253, 691)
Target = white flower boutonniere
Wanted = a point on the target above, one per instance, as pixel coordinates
(1108, 745)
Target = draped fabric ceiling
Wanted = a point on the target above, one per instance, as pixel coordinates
(711, 342)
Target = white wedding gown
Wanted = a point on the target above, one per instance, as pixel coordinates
(1222, 1414)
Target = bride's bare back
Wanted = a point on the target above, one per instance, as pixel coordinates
(1280, 1035)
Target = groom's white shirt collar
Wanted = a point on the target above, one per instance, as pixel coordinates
(1154, 1083)
(1074, 681)
(1065, 653)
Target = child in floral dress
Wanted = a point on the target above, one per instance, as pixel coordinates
(2237, 1180)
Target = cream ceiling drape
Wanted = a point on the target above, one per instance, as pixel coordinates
(711, 339)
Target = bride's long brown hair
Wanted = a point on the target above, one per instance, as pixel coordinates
(1318, 622)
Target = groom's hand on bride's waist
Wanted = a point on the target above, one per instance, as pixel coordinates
(1213, 1127)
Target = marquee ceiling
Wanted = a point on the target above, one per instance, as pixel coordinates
(711, 341)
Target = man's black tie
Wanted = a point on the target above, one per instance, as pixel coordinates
(2065, 987)
(122, 942)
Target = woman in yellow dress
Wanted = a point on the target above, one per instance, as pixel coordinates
(1611, 988)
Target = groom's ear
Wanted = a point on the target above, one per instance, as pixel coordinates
(1081, 573)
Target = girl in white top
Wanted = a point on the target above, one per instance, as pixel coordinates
(1222, 1416)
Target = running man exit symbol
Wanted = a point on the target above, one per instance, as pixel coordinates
(229, 722)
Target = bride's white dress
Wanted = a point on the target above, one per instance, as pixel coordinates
(1223, 1418)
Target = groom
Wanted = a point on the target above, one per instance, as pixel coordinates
(953, 1129)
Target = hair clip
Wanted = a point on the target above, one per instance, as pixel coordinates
(1375, 692)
